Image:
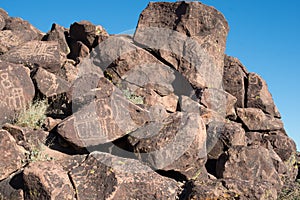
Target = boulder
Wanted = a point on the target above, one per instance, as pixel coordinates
(3, 17)
(59, 34)
(258, 95)
(12, 187)
(235, 79)
(177, 143)
(41, 53)
(12, 155)
(221, 136)
(78, 50)
(50, 84)
(192, 45)
(16, 24)
(16, 90)
(219, 101)
(104, 176)
(252, 163)
(47, 180)
(225, 189)
(88, 33)
(256, 120)
(106, 116)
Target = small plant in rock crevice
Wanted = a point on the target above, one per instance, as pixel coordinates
(33, 116)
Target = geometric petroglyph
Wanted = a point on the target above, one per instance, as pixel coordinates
(35, 52)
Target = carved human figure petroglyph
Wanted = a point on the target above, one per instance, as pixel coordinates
(13, 97)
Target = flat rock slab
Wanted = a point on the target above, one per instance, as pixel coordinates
(219, 101)
(193, 45)
(10, 39)
(258, 95)
(12, 155)
(104, 176)
(103, 120)
(47, 180)
(42, 53)
(235, 79)
(16, 90)
(256, 120)
(177, 143)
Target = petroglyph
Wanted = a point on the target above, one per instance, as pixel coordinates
(16, 99)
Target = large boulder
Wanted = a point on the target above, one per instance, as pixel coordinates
(258, 95)
(177, 143)
(12, 155)
(59, 34)
(16, 90)
(192, 45)
(88, 33)
(105, 116)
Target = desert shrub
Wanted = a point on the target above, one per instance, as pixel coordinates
(33, 116)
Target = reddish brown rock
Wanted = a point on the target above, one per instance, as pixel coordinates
(225, 189)
(16, 90)
(50, 84)
(3, 17)
(11, 156)
(256, 120)
(88, 33)
(195, 45)
(10, 39)
(26, 137)
(105, 115)
(248, 164)
(234, 79)
(20, 25)
(59, 34)
(41, 53)
(78, 50)
(177, 143)
(258, 95)
(12, 187)
(219, 101)
(221, 136)
(103, 176)
(47, 180)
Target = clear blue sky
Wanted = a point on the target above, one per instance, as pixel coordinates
(264, 35)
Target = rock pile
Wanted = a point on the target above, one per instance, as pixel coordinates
(162, 114)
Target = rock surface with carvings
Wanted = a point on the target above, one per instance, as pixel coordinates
(161, 114)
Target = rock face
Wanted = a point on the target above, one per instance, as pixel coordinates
(258, 95)
(17, 90)
(234, 79)
(12, 156)
(162, 114)
(103, 176)
(193, 45)
(45, 180)
(175, 144)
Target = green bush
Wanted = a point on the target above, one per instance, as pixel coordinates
(34, 116)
